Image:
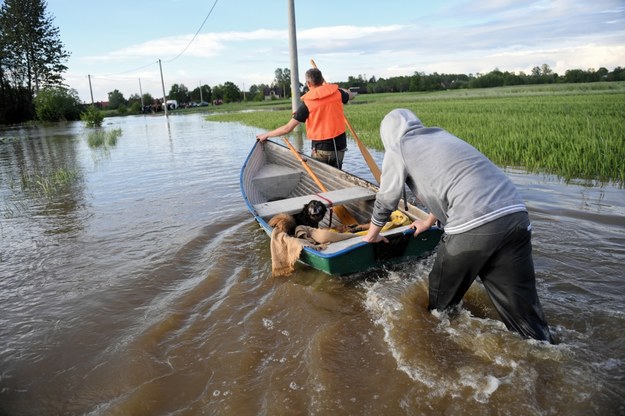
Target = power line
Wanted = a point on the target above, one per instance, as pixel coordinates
(130, 70)
(174, 58)
(196, 33)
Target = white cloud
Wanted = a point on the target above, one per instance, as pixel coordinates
(465, 38)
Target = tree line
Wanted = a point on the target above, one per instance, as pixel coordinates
(227, 92)
(33, 57)
(420, 81)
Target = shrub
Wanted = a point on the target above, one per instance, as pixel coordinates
(92, 117)
(57, 104)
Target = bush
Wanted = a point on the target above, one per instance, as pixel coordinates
(57, 104)
(135, 108)
(92, 117)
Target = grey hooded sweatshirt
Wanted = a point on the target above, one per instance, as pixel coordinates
(460, 186)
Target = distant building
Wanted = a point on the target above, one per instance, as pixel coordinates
(273, 93)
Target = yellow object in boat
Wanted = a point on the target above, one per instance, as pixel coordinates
(398, 219)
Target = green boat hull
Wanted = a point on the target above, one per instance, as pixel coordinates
(369, 256)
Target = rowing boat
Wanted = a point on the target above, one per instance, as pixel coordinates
(275, 179)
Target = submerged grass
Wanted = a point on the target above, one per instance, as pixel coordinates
(575, 131)
(45, 186)
(103, 138)
(50, 183)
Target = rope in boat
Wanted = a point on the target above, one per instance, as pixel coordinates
(330, 205)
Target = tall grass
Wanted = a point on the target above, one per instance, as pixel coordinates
(103, 138)
(45, 186)
(573, 131)
(48, 184)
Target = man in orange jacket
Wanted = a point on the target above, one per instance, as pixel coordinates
(322, 111)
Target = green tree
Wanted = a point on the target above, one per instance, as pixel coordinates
(116, 99)
(135, 107)
(57, 104)
(133, 99)
(231, 92)
(257, 92)
(253, 91)
(602, 73)
(617, 75)
(147, 99)
(283, 80)
(204, 94)
(575, 75)
(32, 55)
(218, 92)
(179, 93)
(207, 94)
(32, 48)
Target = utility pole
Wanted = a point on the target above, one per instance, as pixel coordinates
(163, 85)
(293, 54)
(90, 89)
(141, 92)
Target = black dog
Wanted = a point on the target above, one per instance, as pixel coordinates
(312, 214)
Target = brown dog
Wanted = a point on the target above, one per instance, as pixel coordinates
(284, 223)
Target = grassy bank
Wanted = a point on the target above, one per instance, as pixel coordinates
(570, 130)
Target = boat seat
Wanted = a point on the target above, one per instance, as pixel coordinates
(294, 205)
(276, 181)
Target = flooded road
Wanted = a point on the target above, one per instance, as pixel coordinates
(142, 286)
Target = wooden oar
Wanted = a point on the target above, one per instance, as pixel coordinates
(344, 215)
(375, 170)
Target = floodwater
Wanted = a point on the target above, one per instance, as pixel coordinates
(144, 287)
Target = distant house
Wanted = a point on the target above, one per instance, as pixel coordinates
(271, 95)
(274, 93)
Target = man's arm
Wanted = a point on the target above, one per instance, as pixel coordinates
(280, 131)
(346, 95)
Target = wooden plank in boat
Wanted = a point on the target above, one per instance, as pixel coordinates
(294, 205)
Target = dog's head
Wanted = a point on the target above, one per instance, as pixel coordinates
(314, 211)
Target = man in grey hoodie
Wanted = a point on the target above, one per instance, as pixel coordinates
(486, 224)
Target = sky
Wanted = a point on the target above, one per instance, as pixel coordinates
(118, 44)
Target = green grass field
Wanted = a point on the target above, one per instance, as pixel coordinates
(575, 131)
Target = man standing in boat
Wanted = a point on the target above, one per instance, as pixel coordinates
(487, 227)
(322, 111)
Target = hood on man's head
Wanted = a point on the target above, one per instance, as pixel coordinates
(395, 125)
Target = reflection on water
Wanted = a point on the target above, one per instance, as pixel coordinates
(141, 285)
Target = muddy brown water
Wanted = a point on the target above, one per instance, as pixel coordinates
(144, 288)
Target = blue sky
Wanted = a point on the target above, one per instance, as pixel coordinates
(119, 42)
